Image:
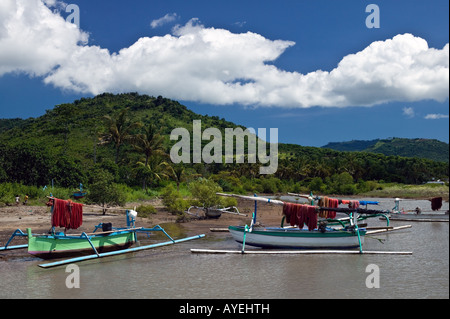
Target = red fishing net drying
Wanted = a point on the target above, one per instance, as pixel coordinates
(297, 214)
(67, 214)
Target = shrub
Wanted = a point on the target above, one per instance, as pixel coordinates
(146, 210)
(204, 191)
(173, 201)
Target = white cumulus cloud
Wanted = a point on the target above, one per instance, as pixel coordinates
(409, 112)
(213, 65)
(164, 20)
(436, 116)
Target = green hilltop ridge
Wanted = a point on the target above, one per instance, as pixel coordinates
(417, 147)
(69, 143)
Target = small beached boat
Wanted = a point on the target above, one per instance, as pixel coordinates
(213, 212)
(79, 193)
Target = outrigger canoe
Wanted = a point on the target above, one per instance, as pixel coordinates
(108, 241)
(62, 246)
(295, 238)
(298, 237)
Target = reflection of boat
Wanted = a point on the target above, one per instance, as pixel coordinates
(298, 238)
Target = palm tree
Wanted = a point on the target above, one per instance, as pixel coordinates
(177, 174)
(155, 168)
(119, 129)
(150, 144)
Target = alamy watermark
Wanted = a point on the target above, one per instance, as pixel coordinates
(73, 279)
(373, 19)
(74, 14)
(213, 151)
(373, 279)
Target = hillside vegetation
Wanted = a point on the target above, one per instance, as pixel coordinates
(124, 140)
(417, 147)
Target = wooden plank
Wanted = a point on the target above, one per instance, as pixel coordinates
(13, 247)
(299, 252)
(387, 230)
(379, 227)
(219, 230)
(419, 219)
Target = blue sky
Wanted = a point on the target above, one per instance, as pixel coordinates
(312, 69)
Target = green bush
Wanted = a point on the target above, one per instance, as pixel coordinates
(204, 191)
(146, 210)
(173, 201)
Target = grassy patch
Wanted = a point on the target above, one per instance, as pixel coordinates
(410, 191)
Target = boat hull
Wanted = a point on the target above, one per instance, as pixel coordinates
(297, 239)
(49, 246)
(213, 213)
(420, 217)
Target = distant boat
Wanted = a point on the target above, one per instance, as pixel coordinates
(79, 194)
(214, 212)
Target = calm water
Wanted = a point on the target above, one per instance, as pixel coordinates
(173, 272)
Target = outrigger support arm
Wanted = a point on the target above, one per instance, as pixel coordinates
(18, 233)
(90, 243)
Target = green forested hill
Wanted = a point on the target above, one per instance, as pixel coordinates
(70, 142)
(417, 147)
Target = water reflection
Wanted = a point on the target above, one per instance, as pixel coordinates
(173, 272)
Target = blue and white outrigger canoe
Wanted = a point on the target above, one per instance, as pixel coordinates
(345, 237)
(295, 238)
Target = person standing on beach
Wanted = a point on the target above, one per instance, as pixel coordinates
(17, 200)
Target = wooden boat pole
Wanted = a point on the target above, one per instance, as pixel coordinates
(281, 203)
(387, 229)
(300, 252)
(83, 258)
(255, 198)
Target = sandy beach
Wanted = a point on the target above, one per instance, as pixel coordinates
(38, 219)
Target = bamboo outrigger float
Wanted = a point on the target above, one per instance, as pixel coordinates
(108, 242)
(347, 237)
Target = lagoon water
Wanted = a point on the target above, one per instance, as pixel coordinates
(174, 272)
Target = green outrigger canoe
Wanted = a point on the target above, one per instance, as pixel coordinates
(61, 245)
(104, 241)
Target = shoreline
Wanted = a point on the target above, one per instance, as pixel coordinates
(39, 220)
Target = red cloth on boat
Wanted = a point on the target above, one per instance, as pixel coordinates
(353, 204)
(436, 203)
(67, 214)
(333, 203)
(297, 214)
(330, 203)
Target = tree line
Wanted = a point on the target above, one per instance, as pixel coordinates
(130, 145)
